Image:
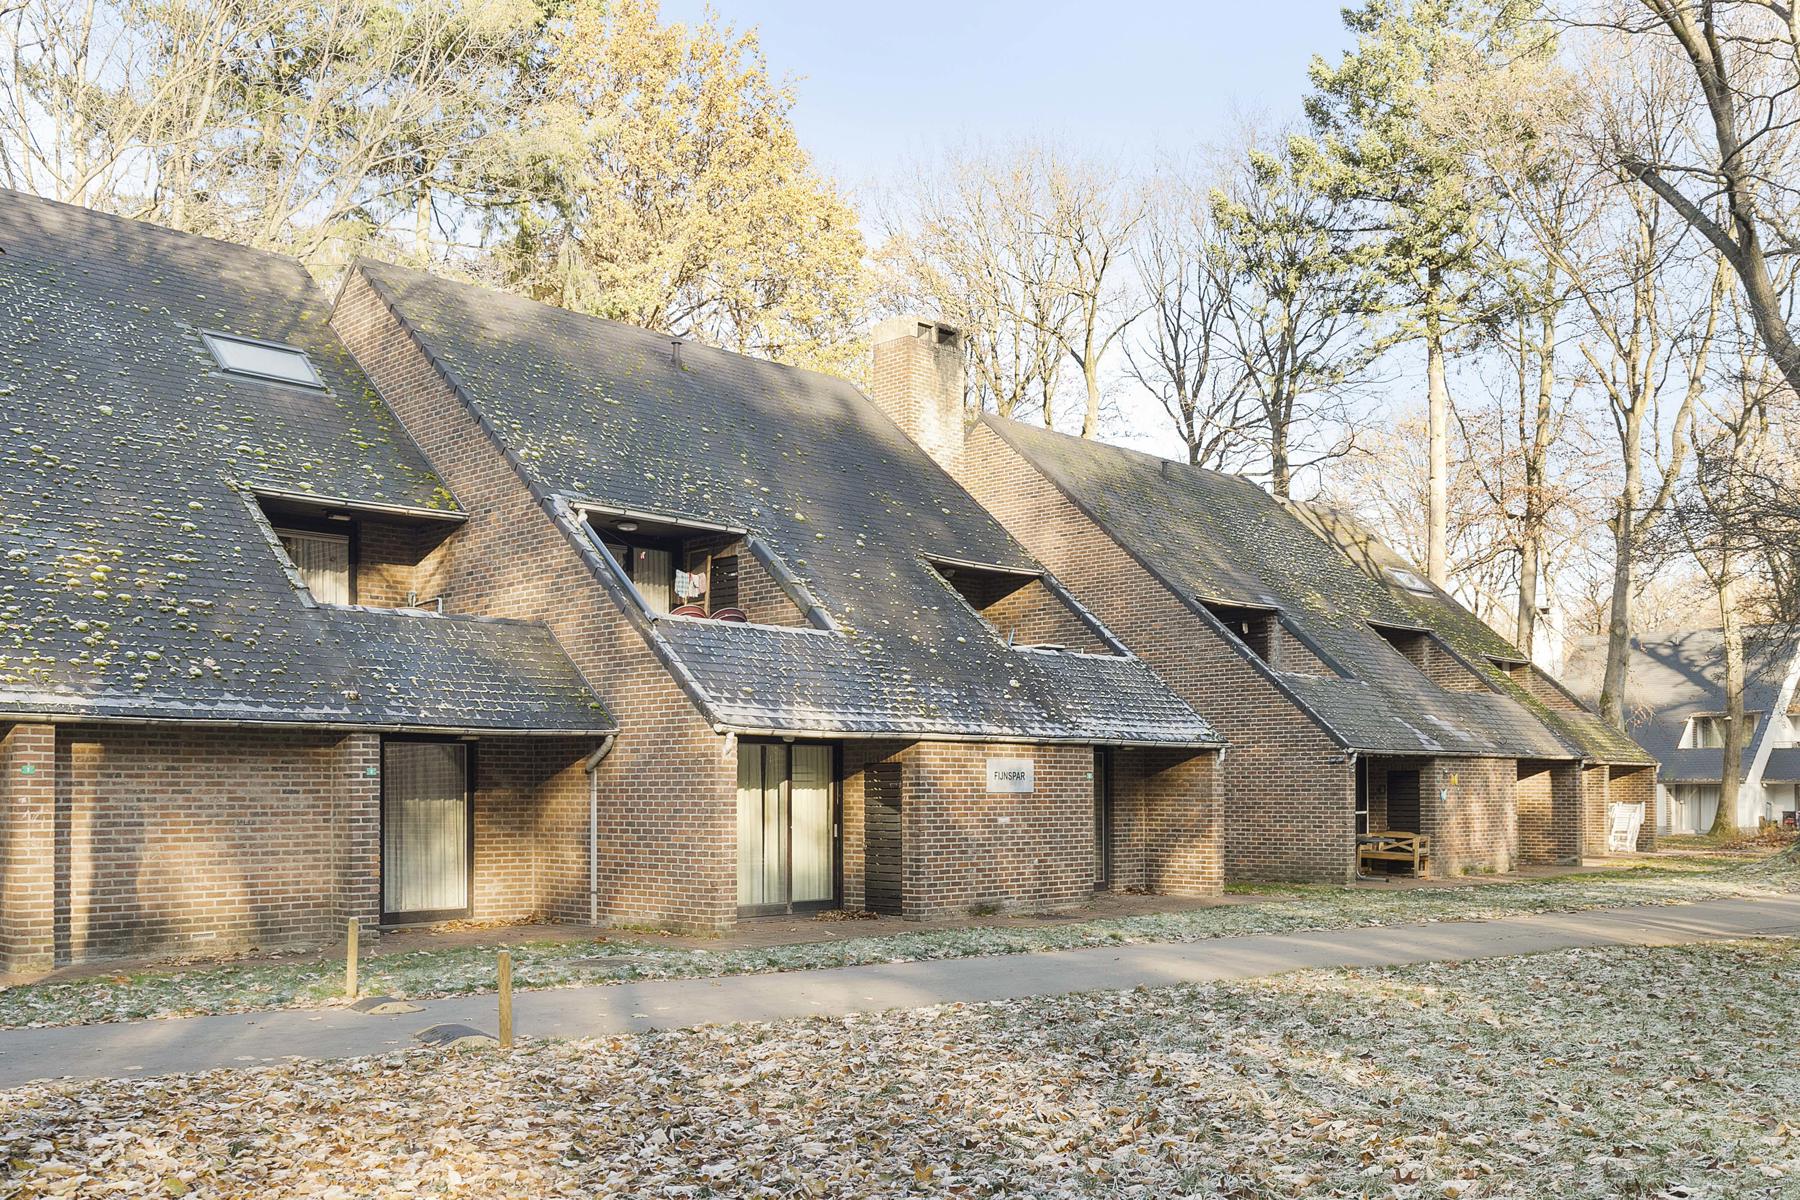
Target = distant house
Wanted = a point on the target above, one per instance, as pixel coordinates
(1675, 708)
(438, 603)
(1357, 697)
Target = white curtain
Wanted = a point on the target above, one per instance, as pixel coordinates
(424, 827)
(811, 803)
(653, 572)
(323, 560)
(762, 823)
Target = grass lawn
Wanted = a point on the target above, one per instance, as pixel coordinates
(1617, 1072)
(464, 969)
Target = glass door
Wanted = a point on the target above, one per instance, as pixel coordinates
(787, 827)
(425, 831)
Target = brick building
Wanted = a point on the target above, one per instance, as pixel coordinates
(801, 622)
(227, 699)
(1356, 696)
(439, 603)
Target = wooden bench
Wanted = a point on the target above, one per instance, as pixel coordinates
(1392, 846)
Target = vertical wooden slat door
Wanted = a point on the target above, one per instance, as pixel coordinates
(425, 829)
(881, 837)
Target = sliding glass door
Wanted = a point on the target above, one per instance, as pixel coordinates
(787, 827)
(425, 830)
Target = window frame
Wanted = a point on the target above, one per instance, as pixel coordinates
(213, 338)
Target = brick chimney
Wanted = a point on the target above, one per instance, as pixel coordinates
(918, 381)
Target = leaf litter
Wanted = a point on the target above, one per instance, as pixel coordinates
(1654, 1073)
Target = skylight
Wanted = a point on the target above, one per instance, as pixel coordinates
(1412, 581)
(264, 360)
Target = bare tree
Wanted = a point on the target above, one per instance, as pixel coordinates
(1179, 356)
(1737, 181)
(964, 240)
(1093, 216)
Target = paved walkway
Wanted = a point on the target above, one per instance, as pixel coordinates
(203, 1043)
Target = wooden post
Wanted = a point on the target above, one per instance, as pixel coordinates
(506, 1017)
(350, 957)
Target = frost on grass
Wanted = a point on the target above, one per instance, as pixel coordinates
(465, 969)
(1597, 1073)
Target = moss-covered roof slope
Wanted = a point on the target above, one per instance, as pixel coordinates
(596, 411)
(136, 579)
(1217, 538)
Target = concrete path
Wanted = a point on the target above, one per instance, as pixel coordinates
(202, 1043)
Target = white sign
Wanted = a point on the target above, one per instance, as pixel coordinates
(1010, 775)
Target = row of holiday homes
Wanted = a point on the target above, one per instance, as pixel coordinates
(429, 602)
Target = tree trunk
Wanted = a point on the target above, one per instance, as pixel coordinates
(1531, 536)
(1278, 459)
(1090, 375)
(1731, 769)
(1437, 392)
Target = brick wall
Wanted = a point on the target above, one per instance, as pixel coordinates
(1549, 797)
(531, 829)
(27, 845)
(1605, 786)
(668, 821)
(1034, 615)
(1168, 822)
(964, 846)
(1470, 814)
(395, 559)
(1288, 790)
(170, 838)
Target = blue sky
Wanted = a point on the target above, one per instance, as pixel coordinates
(885, 82)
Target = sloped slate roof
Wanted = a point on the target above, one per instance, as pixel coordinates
(1677, 674)
(595, 410)
(1473, 639)
(1215, 537)
(134, 579)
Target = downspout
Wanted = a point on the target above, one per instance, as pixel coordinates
(591, 764)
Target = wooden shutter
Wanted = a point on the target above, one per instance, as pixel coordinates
(882, 841)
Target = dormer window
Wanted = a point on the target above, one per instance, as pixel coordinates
(262, 360)
(1255, 627)
(1413, 644)
(1021, 606)
(682, 568)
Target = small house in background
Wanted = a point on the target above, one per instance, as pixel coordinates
(1359, 700)
(1675, 709)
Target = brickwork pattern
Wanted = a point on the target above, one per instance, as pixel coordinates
(1470, 813)
(27, 846)
(170, 838)
(1549, 798)
(1287, 788)
(395, 560)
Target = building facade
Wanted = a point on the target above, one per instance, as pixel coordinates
(432, 603)
(1357, 698)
